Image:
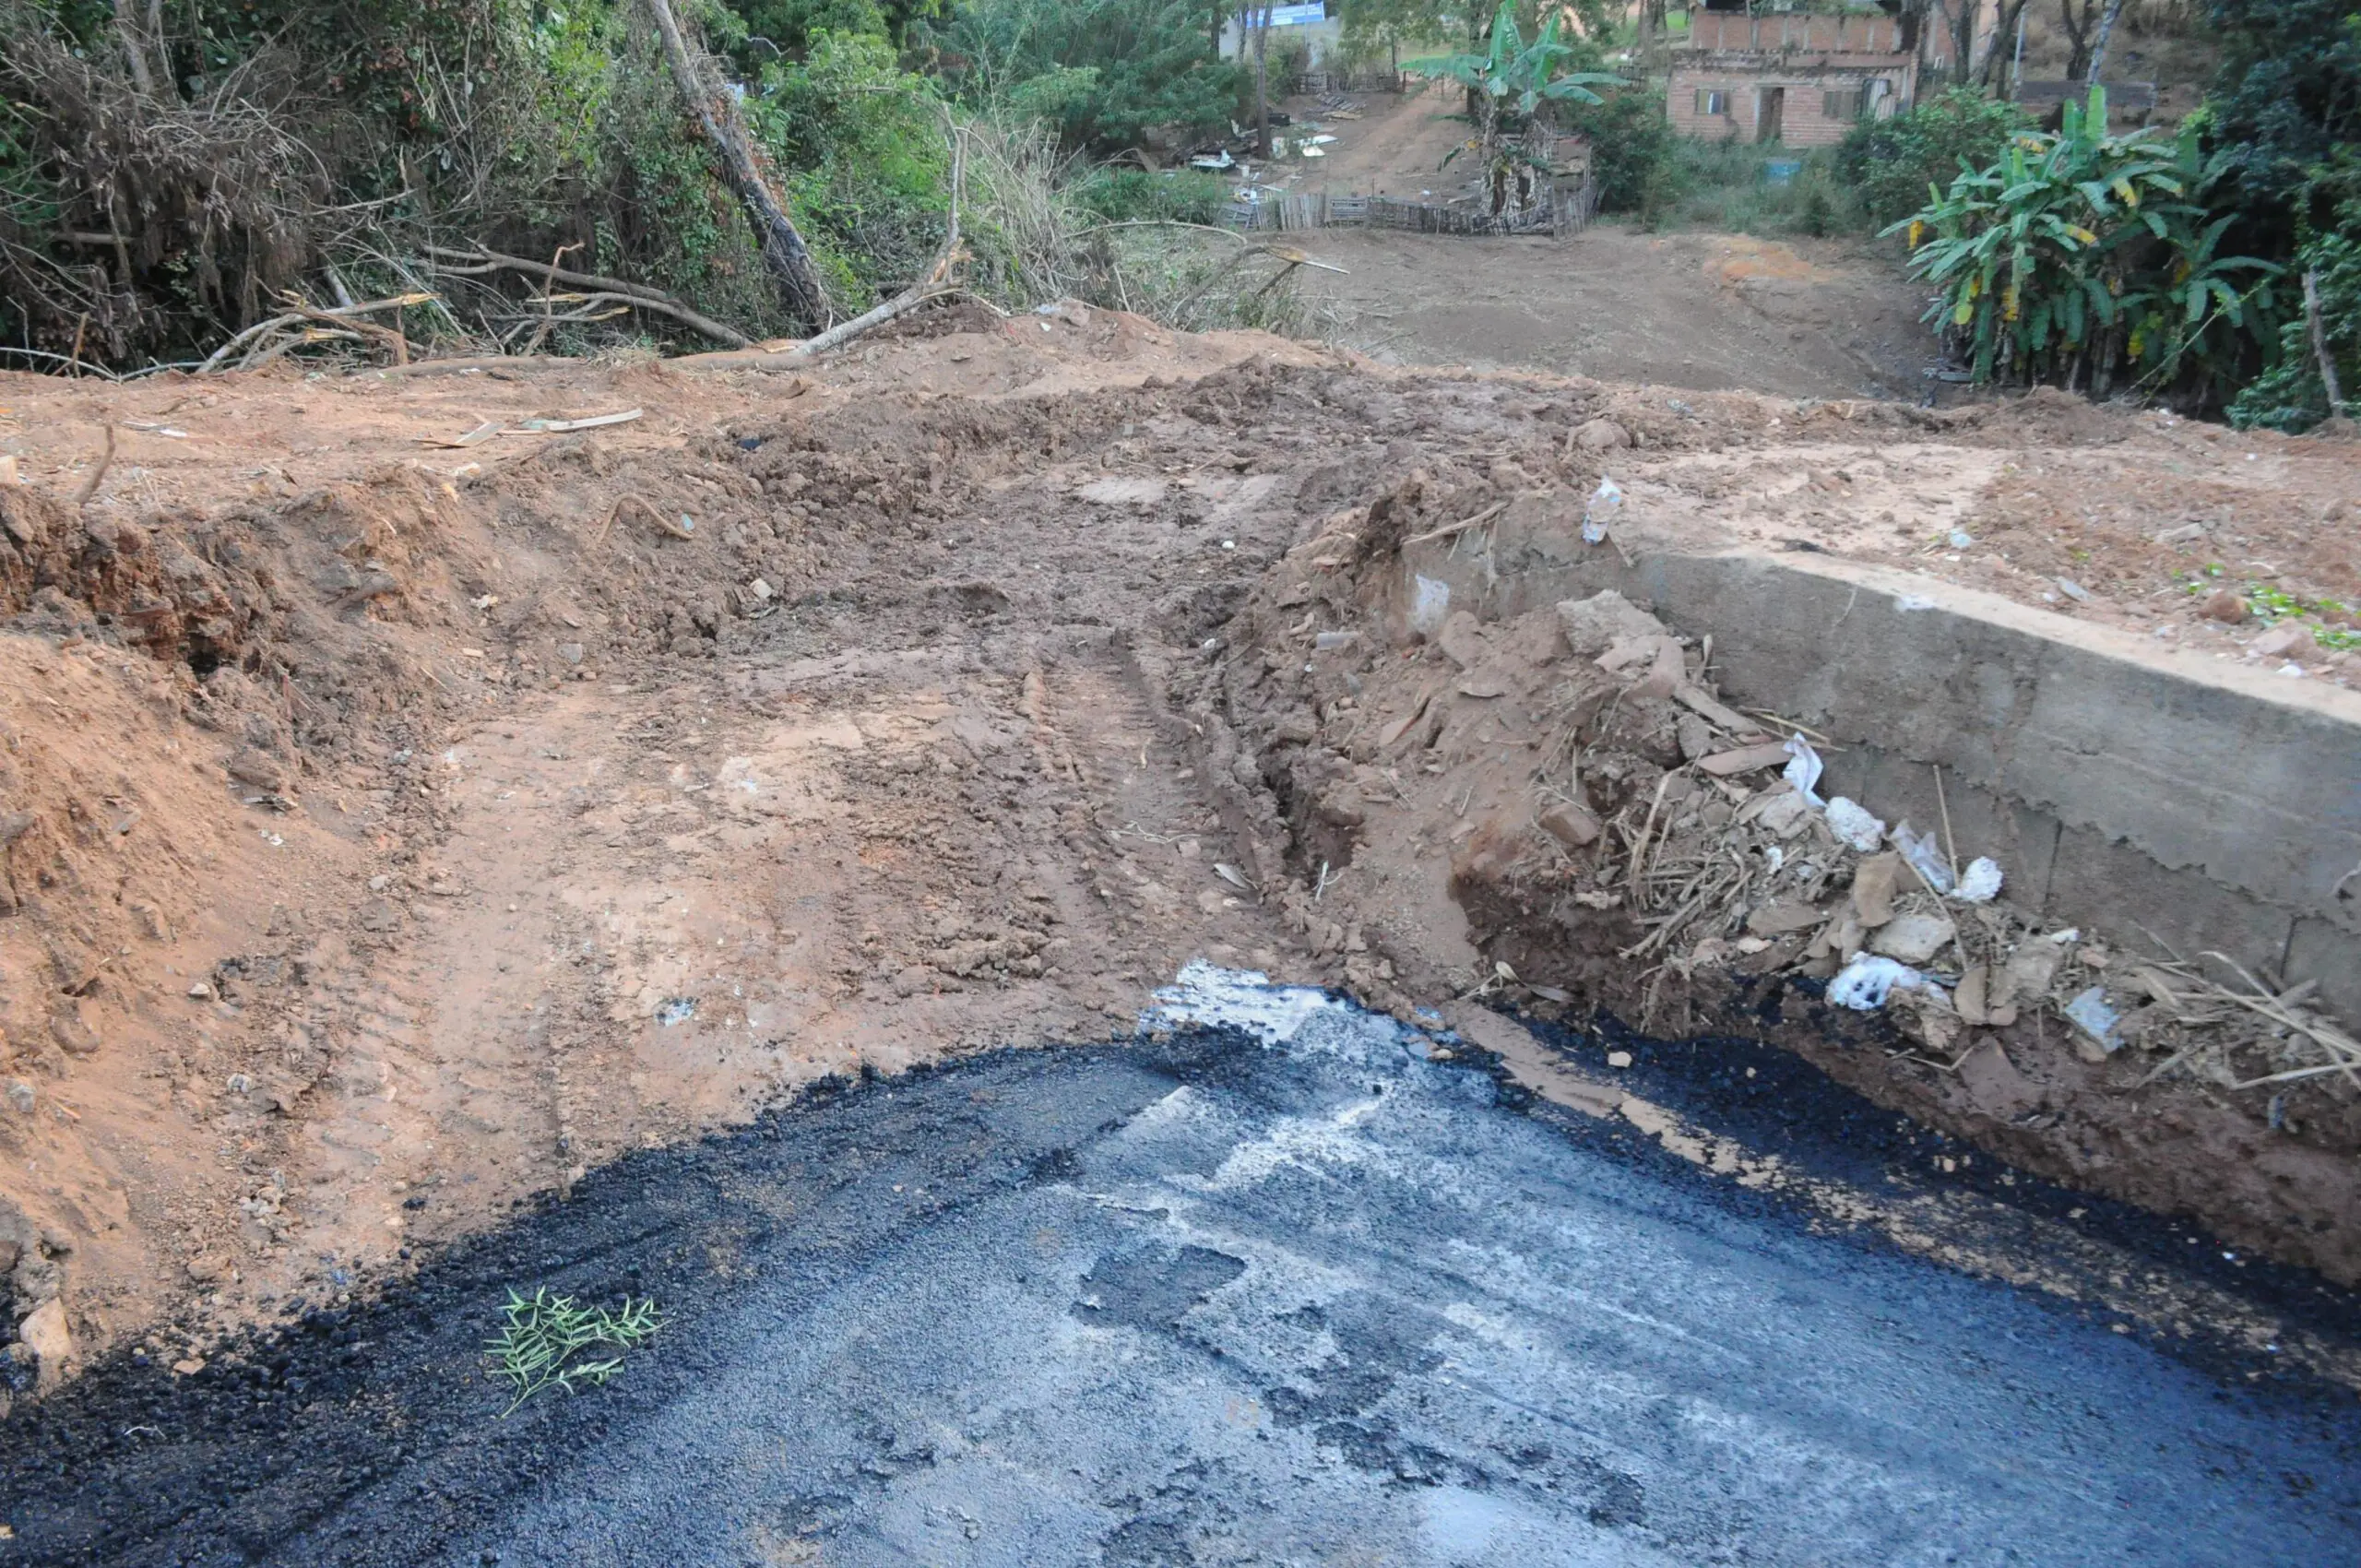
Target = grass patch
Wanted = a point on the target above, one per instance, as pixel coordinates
(546, 1339)
(1727, 186)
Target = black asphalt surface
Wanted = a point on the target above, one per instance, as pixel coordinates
(1216, 1298)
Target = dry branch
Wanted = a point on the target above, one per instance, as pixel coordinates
(91, 485)
(465, 264)
(342, 315)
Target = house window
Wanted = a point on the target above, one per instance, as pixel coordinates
(1841, 105)
(1713, 100)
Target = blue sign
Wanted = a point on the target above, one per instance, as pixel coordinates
(1298, 16)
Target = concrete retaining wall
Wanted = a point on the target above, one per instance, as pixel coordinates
(2203, 807)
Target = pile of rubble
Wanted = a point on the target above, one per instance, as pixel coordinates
(1616, 832)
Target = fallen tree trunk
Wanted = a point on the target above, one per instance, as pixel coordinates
(784, 252)
(936, 283)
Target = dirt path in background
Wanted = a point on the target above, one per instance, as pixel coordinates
(394, 831)
(1703, 312)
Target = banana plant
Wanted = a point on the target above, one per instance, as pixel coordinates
(1507, 85)
(2079, 252)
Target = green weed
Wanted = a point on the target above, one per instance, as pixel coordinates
(544, 1334)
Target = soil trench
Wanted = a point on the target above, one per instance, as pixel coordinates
(396, 832)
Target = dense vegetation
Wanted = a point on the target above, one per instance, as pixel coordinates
(2217, 270)
(171, 175)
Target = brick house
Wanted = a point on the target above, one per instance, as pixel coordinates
(1797, 77)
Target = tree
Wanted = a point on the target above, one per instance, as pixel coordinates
(1507, 85)
(2098, 44)
(2288, 96)
(785, 254)
(1105, 73)
(2081, 19)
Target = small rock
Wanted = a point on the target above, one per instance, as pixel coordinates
(1786, 815)
(1619, 1059)
(1594, 624)
(45, 1334)
(1341, 807)
(1912, 939)
(70, 1027)
(1462, 639)
(2224, 606)
(2279, 642)
(1570, 825)
(1695, 735)
(201, 992)
(1601, 435)
(188, 1366)
(21, 1097)
(252, 766)
(570, 652)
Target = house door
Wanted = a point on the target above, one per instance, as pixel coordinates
(1771, 112)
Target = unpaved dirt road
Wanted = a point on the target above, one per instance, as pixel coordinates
(1703, 312)
(1313, 1292)
(396, 832)
(1803, 319)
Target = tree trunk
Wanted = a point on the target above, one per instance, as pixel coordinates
(784, 256)
(135, 53)
(1963, 41)
(1999, 63)
(2078, 28)
(1261, 81)
(2098, 45)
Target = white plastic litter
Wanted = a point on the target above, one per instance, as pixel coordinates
(1803, 768)
(1921, 850)
(1855, 825)
(1865, 983)
(1910, 601)
(1429, 602)
(1606, 508)
(1962, 539)
(2091, 1014)
(1980, 883)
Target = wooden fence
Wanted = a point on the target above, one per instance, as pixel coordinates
(1566, 207)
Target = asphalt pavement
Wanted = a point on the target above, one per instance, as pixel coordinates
(1288, 1290)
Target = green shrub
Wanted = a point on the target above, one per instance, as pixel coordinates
(1630, 140)
(861, 143)
(1104, 72)
(2291, 395)
(1181, 196)
(1890, 163)
(2080, 255)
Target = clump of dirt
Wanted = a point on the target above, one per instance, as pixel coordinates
(1557, 810)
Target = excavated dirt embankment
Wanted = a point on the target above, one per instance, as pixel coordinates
(396, 829)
